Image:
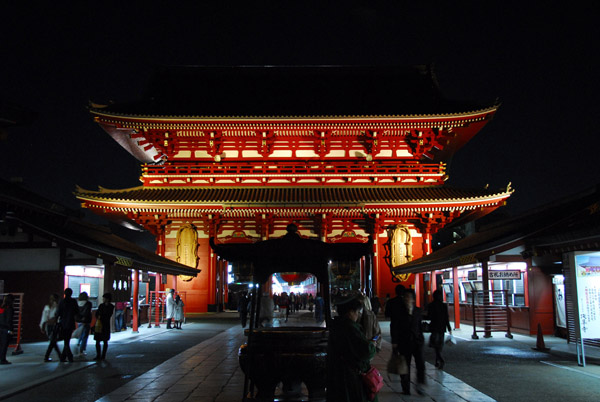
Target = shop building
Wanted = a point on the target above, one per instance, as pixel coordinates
(523, 263)
(46, 247)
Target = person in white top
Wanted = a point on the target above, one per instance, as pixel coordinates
(178, 317)
(48, 326)
(170, 308)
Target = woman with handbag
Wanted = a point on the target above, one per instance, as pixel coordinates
(102, 327)
(48, 326)
(349, 355)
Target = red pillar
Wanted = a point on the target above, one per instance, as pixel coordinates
(136, 291)
(456, 297)
(155, 301)
(418, 289)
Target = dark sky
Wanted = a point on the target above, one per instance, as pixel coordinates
(540, 62)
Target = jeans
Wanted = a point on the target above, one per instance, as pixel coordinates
(83, 338)
(119, 320)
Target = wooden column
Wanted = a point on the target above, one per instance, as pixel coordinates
(136, 292)
(456, 293)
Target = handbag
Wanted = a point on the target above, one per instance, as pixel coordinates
(425, 326)
(98, 326)
(450, 340)
(373, 382)
(397, 364)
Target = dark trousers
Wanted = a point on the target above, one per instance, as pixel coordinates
(52, 342)
(66, 353)
(416, 351)
(101, 354)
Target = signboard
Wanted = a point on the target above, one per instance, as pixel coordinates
(511, 274)
(587, 283)
(472, 275)
(559, 302)
(85, 287)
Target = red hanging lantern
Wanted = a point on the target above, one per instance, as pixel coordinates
(294, 278)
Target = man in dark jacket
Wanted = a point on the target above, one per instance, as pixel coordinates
(393, 310)
(410, 341)
(67, 310)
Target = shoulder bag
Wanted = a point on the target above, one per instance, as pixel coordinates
(373, 382)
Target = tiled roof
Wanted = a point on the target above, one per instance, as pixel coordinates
(564, 225)
(59, 224)
(277, 91)
(291, 195)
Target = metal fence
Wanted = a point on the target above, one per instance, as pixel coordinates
(491, 312)
(17, 324)
(157, 309)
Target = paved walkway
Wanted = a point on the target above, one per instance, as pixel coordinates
(209, 371)
(29, 370)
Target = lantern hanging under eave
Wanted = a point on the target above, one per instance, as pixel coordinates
(294, 278)
(344, 269)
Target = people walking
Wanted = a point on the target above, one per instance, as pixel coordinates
(319, 304)
(178, 317)
(170, 307)
(48, 326)
(393, 310)
(120, 307)
(102, 327)
(284, 302)
(83, 319)
(410, 341)
(292, 303)
(437, 312)
(6, 324)
(349, 354)
(67, 310)
(375, 304)
(265, 316)
(369, 323)
(243, 308)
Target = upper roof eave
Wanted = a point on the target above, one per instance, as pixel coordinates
(100, 112)
(110, 196)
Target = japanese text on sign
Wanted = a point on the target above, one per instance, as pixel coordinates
(514, 274)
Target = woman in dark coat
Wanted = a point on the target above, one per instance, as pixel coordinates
(102, 327)
(349, 354)
(437, 312)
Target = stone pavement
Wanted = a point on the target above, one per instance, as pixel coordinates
(210, 371)
(29, 370)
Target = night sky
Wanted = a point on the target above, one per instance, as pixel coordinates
(541, 64)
